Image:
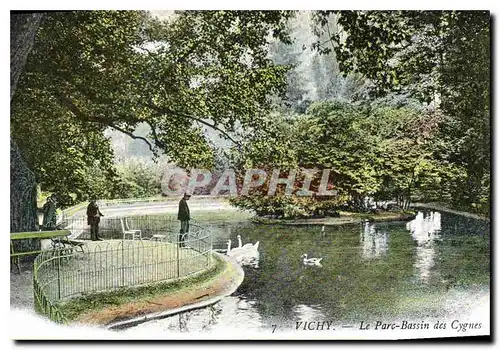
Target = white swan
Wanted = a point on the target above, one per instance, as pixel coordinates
(248, 245)
(311, 261)
(249, 256)
(235, 251)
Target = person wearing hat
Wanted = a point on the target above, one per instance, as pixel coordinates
(93, 219)
(184, 217)
(49, 213)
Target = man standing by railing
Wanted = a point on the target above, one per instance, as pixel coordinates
(184, 217)
(93, 219)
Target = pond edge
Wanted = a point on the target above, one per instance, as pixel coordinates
(230, 289)
(333, 221)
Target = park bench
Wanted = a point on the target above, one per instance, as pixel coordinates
(59, 241)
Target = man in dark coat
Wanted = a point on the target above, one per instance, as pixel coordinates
(49, 213)
(184, 217)
(93, 219)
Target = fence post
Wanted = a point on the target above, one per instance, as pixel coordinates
(209, 255)
(178, 257)
(123, 264)
(35, 285)
(59, 276)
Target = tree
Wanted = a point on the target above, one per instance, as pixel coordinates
(440, 57)
(312, 77)
(139, 179)
(69, 157)
(380, 152)
(23, 214)
(92, 70)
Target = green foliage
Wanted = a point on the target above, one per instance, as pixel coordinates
(381, 152)
(289, 207)
(92, 70)
(138, 179)
(312, 77)
(70, 158)
(439, 57)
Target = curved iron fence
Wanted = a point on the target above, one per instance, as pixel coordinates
(64, 272)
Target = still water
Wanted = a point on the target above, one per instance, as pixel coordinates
(435, 265)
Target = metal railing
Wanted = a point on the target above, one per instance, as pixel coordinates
(63, 273)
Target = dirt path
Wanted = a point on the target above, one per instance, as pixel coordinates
(200, 204)
(21, 287)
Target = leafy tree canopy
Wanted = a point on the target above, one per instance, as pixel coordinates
(440, 57)
(384, 152)
(92, 70)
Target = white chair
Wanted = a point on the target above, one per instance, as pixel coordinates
(128, 232)
(127, 226)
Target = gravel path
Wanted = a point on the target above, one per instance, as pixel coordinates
(21, 287)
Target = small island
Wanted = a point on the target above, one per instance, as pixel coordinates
(342, 219)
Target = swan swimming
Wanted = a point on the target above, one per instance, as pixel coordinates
(248, 245)
(311, 261)
(235, 251)
(248, 256)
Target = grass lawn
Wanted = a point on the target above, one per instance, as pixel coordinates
(115, 264)
(74, 308)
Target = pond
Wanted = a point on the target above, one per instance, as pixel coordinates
(434, 265)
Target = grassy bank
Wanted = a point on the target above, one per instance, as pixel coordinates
(464, 211)
(77, 307)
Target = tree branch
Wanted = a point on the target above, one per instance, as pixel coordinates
(165, 110)
(82, 116)
(129, 133)
(330, 36)
(155, 135)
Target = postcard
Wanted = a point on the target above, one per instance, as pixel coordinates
(250, 175)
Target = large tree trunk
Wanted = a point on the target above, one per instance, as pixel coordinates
(23, 28)
(23, 209)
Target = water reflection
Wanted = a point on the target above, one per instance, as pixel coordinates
(425, 228)
(373, 241)
(368, 271)
(308, 313)
(251, 260)
(231, 312)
